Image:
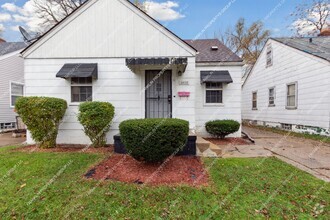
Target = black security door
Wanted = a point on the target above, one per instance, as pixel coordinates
(158, 94)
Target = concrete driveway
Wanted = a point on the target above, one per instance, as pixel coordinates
(308, 155)
(6, 139)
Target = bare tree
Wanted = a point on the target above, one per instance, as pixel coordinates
(246, 41)
(311, 19)
(53, 11)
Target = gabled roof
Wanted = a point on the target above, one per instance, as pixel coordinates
(317, 46)
(206, 54)
(85, 3)
(9, 47)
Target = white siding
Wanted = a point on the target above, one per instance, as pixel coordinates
(231, 107)
(104, 28)
(11, 69)
(115, 84)
(289, 65)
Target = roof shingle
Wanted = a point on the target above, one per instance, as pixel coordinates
(206, 54)
(317, 46)
(9, 47)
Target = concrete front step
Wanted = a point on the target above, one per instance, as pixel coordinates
(207, 149)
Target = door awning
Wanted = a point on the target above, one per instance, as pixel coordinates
(156, 61)
(79, 70)
(216, 76)
(137, 63)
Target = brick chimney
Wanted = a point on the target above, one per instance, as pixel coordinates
(325, 32)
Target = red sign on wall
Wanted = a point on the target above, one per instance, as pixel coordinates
(184, 94)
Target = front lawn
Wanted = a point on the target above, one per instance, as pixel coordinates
(50, 185)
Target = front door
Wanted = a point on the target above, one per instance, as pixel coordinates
(158, 94)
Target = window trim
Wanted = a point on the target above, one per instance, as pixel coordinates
(80, 85)
(10, 95)
(269, 48)
(219, 89)
(296, 96)
(256, 92)
(274, 88)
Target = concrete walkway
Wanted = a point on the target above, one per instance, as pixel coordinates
(308, 155)
(6, 139)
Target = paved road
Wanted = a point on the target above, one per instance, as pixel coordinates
(6, 140)
(308, 155)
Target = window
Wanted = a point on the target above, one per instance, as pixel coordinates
(16, 91)
(291, 100)
(213, 93)
(81, 89)
(286, 127)
(269, 59)
(271, 97)
(254, 100)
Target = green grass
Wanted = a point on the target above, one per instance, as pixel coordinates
(32, 186)
(315, 137)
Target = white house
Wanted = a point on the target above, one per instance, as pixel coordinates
(289, 86)
(11, 82)
(112, 51)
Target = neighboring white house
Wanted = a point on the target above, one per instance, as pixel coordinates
(112, 51)
(289, 86)
(11, 82)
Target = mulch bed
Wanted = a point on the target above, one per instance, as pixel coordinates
(176, 171)
(67, 148)
(227, 141)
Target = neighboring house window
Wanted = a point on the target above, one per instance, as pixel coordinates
(81, 89)
(269, 55)
(213, 93)
(291, 95)
(254, 100)
(271, 96)
(16, 91)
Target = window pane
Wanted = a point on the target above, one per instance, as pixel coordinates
(81, 93)
(213, 96)
(254, 100)
(291, 101)
(213, 85)
(17, 89)
(81, 80)
(292, 89)
(254, 96)
(14, 99)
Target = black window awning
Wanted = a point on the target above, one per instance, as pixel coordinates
(216, 76)
(79, 70)
(156, 61)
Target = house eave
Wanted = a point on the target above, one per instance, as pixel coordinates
(205, 64)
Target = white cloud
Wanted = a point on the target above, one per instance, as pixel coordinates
(305, 27)
(14, 28)
(5, 17)
(163, 11)
(25, 16)
(2, 27)
(9, 7)
(276, 30)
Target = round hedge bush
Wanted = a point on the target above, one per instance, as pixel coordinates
(154, 140)
(96, 118)
(222, 128)
(42, 116)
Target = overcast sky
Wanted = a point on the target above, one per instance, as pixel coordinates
(186, 18)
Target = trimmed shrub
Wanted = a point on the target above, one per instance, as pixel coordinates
(42, 116)
(222, 128)
(154, 140)
(96, 118)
